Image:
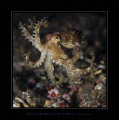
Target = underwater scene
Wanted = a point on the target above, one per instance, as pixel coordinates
(59, 60)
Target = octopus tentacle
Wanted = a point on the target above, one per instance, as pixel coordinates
(36, 33)
(49, 67)
(91, 60)
(25, 33)
(31, 63)
(35, 38)
(61, 77)
(75, 73)
(28, 36)
(77, 53)
(31, 22)
(37, 27)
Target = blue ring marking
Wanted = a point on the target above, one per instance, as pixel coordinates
(63, 62)
(92, 65)
(72, 68)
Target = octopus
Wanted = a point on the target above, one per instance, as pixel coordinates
(52, 52)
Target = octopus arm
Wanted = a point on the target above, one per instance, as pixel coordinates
(35, 38)
(31, 22)
(36, 34)
(90, 68)
(49, 67)
(25, 33)
(34, 64)
(76, 52)
(75, 73)
(91, 60)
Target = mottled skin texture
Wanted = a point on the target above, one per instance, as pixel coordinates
(51, 51)
(70, 37)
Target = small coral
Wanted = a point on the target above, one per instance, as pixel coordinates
(53, 93)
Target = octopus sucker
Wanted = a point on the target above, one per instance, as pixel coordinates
(52, 51)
